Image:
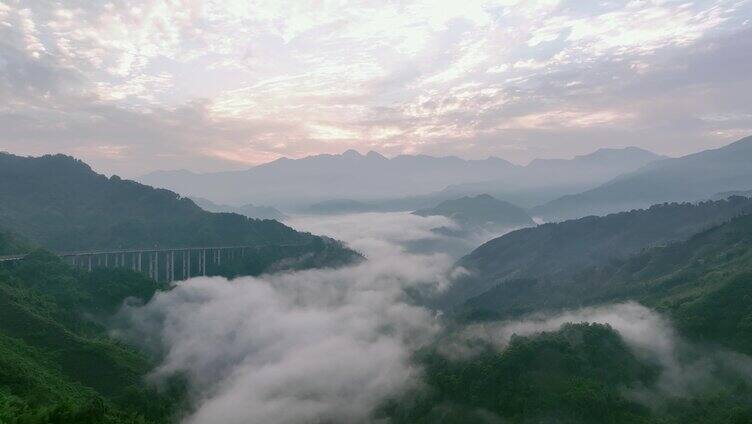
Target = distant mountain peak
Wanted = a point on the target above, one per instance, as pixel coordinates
(375, 155)
(351, 153)
(482, 209)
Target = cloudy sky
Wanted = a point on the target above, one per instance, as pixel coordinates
(135, 86)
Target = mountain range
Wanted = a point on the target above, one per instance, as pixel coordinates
(689, 178)
(293, 184)
(559, 250)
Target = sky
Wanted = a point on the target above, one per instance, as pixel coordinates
(135, 86)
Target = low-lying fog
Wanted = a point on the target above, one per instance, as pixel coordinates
(330, 345)
(365, 232)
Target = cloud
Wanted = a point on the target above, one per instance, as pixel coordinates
(333, 345)
(287, 78)
(312, 346)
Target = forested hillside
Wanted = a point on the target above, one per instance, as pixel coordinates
(557, 250)
(581, 373)
(57, 362)
(704, 284)
(11, 244)
(59, 203)
(589, 373)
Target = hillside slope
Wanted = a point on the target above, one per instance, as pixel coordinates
(702, 283)
(689, 178)
(58, 202)
(480, 210)
(558, 249)
(57, 362)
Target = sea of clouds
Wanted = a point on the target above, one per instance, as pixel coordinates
(330, 345)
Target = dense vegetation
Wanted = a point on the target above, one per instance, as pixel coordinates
(704, 284)
(582, 373)
(57, 363)
(60, 203)
(557, 251)
(11, 244)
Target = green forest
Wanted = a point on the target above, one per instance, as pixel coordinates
(692, 263)
(57, 362)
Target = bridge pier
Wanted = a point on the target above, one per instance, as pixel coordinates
(134, 259)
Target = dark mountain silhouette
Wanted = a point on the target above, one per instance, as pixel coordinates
(688, 178)
(481, 210)
(559, 249)
(59, 203)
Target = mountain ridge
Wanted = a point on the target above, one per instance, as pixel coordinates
(298, 183)
(558, 249)
(688, 178)
(59, 203)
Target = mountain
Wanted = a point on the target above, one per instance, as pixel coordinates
(59, 203)
(249, 210)
(546, 179)
(296, 184)
(702, 283)
(482, 210)
(589, 373)
(560, 249)
(688, 178)
(58, 362)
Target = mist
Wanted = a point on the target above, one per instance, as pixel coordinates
(686, 369)
(332, 345)
(312, 346)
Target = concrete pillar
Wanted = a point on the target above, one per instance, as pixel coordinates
(139, 261)
(89, 262)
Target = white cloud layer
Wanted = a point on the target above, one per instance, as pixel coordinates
(211, 84)
(312, 346)
(332, 345)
